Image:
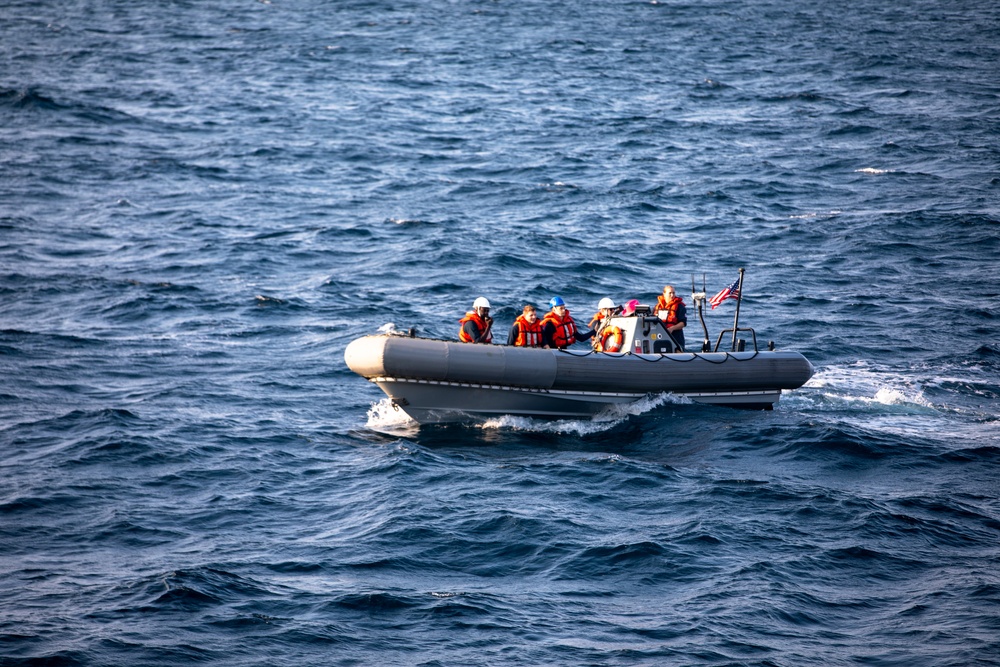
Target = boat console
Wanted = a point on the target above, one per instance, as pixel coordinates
(643, 333)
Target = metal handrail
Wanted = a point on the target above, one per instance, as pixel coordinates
(734, 332)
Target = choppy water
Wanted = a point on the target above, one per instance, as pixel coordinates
(202, 203)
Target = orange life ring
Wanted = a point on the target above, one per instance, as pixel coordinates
(615, 342)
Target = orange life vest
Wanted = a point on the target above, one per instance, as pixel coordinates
(565, 334)
(670, 307)
(473, 316)
(529, 334)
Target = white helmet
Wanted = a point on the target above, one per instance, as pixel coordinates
(481, 302)
(605, 303)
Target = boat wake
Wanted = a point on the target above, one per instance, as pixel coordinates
(384, 417)
(606, 420)
(859, 385)
(883, 402)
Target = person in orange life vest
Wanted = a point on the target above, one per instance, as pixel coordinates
(558, 328)
(671, 309)
(527, 330)
(477, 323)
(605, 311)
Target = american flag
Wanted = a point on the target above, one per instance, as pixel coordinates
(731, 292)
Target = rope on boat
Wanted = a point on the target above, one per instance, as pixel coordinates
(661, 357)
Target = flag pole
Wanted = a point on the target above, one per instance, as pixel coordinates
(736, 318)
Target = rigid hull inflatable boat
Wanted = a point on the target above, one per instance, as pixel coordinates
(436, 381)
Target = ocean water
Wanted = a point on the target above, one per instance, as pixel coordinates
(201, 204)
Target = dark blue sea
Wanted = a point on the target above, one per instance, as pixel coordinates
(203, 203)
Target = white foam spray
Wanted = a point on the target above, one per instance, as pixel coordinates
(859, 384)
(605, 420)
(385, 417)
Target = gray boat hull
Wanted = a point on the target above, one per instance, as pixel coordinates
(437, 381)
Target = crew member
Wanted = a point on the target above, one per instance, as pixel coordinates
(605, 309)
(477, 323)
(671, 309)
(527, 329)
(602, 318)
(558, 328)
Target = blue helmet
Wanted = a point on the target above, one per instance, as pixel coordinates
(556, 301)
